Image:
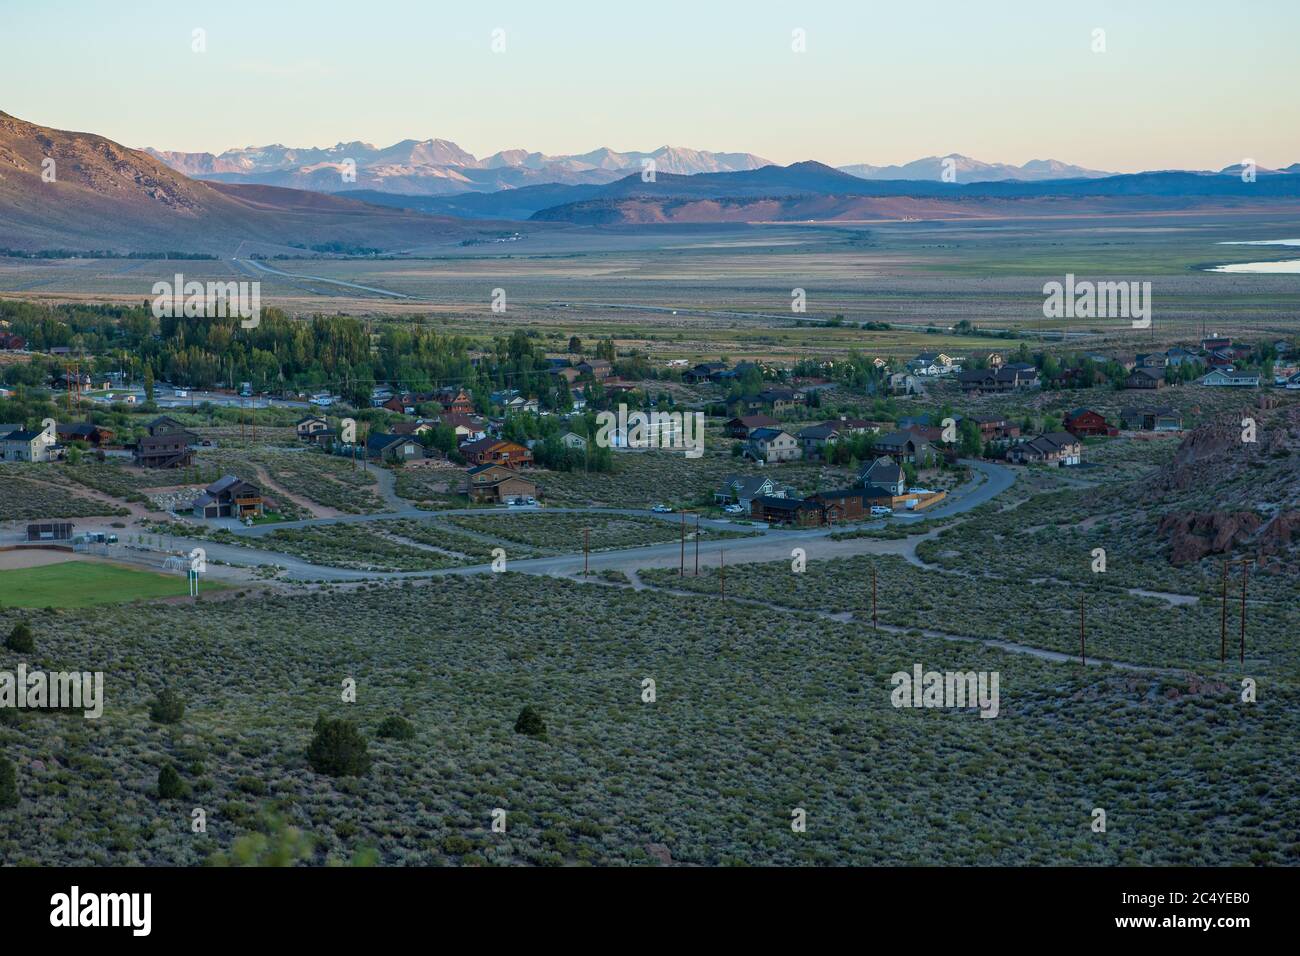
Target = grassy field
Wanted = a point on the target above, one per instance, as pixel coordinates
(75, 584)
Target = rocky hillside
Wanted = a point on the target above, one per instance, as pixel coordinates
(1225, 496)
(68, 190)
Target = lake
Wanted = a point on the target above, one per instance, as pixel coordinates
(1279, 267)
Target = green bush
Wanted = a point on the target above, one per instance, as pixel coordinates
(396, 728)
(530, 722)
(170, 784)
(8, 784)
(20, 639)
(338, 749)
(167, 707)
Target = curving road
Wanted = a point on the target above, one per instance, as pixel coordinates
(768, 544)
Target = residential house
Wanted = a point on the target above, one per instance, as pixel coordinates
(12, 342)
(1294, 381)
(704, 372)
(1159, 419)
(94, 435)
(933, 363)
(773, 445)
(568, 373)
(742, 426)
(1142, 377)
(1227, 378)
(599, 369)
(996, 428)
(403, 404)
(412, 429)
(308, 428)
(905, 447)
(1007, 378)
(1151, 360)
(25, 445)
(466, 427)
(883, 478)
(229, 497)
(167, 444)
(573, 440)
(840, 505)
(744, 489)
(902, 383)
(497, 483)
(815, 438)
(1215, 342)
(1084, 421)
(1177, 356)
(389, 447)
(455, 400)
(800, 512)
(496, 451)
(1053, 448)
(783, 399)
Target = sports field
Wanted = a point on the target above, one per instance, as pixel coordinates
(79, 583)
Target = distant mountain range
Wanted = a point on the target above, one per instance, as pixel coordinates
(100, 195)
(104, 196)
(967, 170)
(436, 167)
(810, 190)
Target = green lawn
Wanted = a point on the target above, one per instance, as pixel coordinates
(86, 583)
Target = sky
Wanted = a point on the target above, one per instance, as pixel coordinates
(1180, 83)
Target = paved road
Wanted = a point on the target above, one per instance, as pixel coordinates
(256, 264)
(768, 544)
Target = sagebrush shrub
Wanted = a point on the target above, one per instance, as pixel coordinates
(170, 784)
(530, 722)
(167, 708)
(395, 728)
(20, 639)
(338, 749)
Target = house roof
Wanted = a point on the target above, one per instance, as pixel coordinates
(772, 503)
(378, 442)
(225, 483)
(22, 435)
(767, 434)
(756, 421)
(745, 486)
(883, 471)
(820, 432)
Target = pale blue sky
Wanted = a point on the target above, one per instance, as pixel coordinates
(1189, 84)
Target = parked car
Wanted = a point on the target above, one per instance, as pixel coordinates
(662, 510)
(878, 511)
(734, 509)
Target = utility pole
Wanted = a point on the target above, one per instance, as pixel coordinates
(1223, 612)
(1083, 647)
(697, 546)
(681, 570)
(1223, 607)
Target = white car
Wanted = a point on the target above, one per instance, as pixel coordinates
(878, 511)
(662, 510)
(734, 509)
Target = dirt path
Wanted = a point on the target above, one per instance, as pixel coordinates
(311, 507)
